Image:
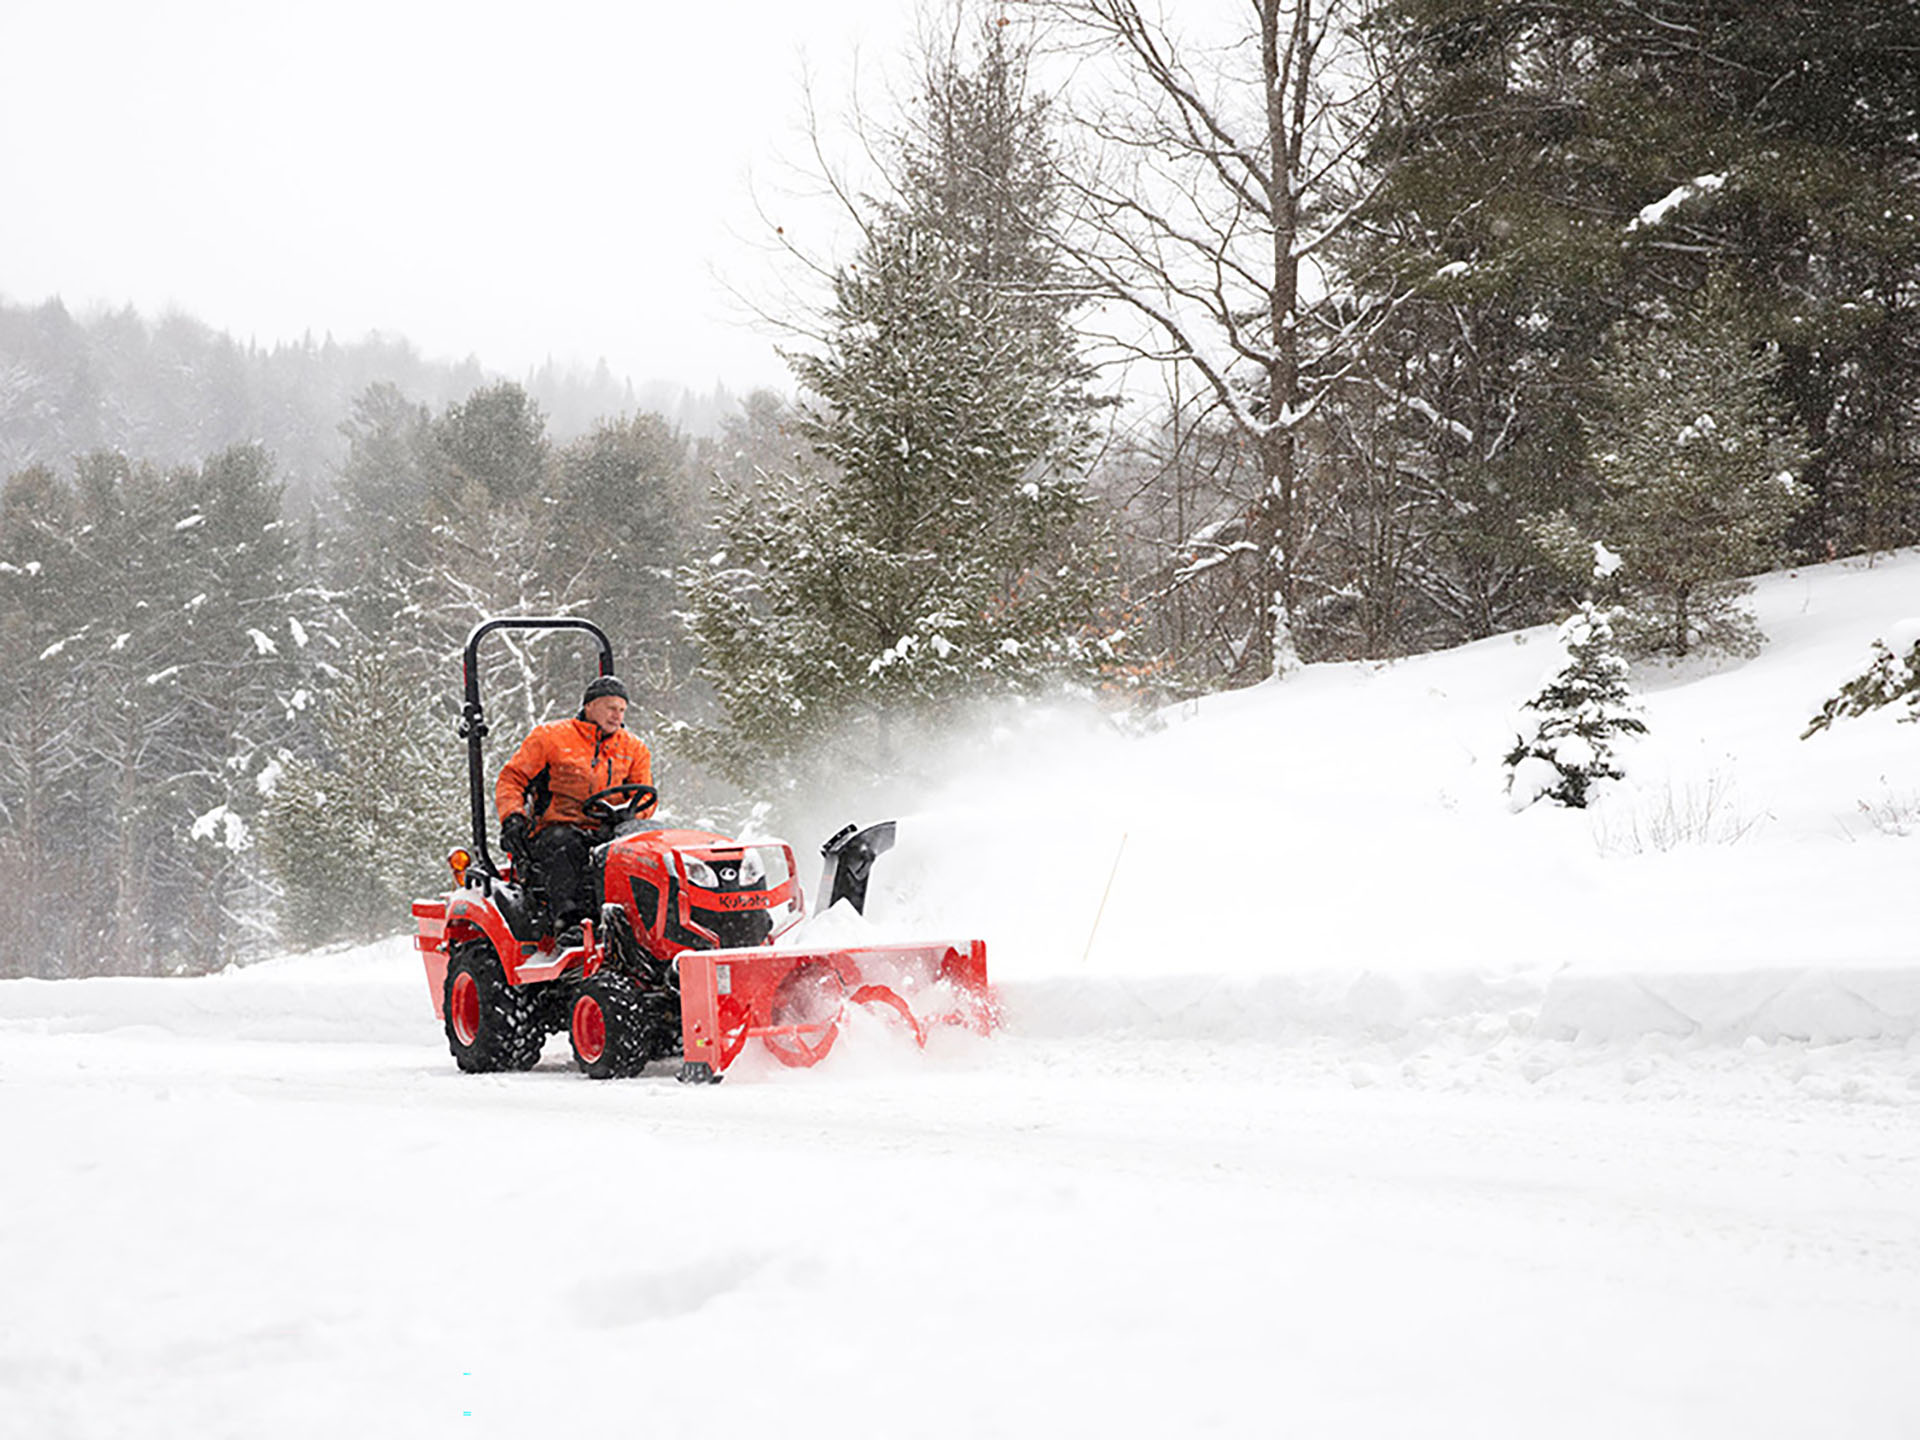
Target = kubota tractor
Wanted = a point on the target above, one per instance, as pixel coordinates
(686, 959)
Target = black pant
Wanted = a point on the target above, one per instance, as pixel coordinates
(560, 856)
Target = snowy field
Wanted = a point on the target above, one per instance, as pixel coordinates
(1368, 1109)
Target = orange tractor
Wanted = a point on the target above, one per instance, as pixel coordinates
(687, 958)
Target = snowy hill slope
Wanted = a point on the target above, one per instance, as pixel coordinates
(1348, 830)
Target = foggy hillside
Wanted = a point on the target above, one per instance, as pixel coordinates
(173, 391)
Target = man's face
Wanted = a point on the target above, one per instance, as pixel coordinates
(609, 712)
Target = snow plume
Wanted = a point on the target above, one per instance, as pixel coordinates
(960, 784)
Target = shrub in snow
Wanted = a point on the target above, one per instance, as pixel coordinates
(1892, 676)
(1583, 708)
(1702, 811)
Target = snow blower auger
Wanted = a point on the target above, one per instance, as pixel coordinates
(685, 959)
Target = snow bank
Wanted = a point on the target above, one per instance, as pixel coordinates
(373, 994)
(1823, 1006)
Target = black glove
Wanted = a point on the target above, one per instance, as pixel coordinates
(514, 831)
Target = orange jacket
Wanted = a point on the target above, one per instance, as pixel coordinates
(573, 759)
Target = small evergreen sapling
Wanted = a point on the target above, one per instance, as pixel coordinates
(1584, 707)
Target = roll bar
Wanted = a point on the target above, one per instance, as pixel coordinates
(473, 716)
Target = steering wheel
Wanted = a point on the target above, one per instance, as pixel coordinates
(600, 808)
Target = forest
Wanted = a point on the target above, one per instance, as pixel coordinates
(1163, 365)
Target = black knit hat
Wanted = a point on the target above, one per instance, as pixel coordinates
(601, 687)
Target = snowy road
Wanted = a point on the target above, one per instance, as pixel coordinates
(217, 1225)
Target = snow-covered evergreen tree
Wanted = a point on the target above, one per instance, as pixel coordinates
(939, 557)
(353, 835)
(617, 530)
(232, 568)
(1891, 677)
(43, 893)
(1699, 463)
(1584, 708)
(151, 624)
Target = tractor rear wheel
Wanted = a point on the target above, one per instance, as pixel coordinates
(611, 1027)
(490, 1024)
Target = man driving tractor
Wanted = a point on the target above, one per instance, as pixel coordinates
(541, 790)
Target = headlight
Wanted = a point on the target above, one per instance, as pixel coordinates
(700, 873)
(753, 870)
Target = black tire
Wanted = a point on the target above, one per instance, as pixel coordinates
(490, 1024)
(611, 1028)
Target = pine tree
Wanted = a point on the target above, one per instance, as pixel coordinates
(492, 445)
(150, 624)
(616, 535)
(936, 565)
(229, 672)
(376, 548)
(1699, 465)
(353, 833)
(1556, 166)
(489, 462)
(129, 672)
(1584, 708)
(940, 556)
(42, 891)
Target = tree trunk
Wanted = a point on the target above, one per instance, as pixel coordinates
(1285, 68)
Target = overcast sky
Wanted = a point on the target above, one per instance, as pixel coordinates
(503, 180)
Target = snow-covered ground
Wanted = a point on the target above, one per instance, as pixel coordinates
(1368, 1109)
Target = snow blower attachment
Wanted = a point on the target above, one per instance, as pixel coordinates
(686, 958)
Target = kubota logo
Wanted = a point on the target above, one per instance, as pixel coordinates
(741, 900)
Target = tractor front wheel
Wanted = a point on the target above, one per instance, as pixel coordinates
(610, 1027)
(490, 1025)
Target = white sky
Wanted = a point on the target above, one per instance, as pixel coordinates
(504, 180)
